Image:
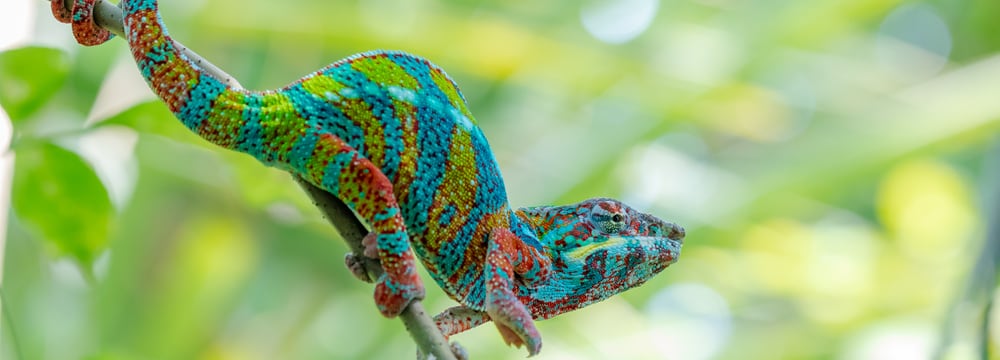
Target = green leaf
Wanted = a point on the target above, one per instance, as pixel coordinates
(151, 117)
(29, 76)
(61, 197)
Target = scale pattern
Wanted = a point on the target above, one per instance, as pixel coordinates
(391, 135)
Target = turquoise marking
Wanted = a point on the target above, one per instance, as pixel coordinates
(395, 243)
(447, 214)
(250, 139)
(301, 153)
(387, 214)
(132, 7)
(331, 175)
(155, 60)
(199, 102)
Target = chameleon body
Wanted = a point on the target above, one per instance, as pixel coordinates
(391, 135)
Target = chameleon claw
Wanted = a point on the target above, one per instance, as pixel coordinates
(370, 243)
(515, 324)
(355, 265)
(532, 343)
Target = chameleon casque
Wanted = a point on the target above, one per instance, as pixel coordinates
(391, 135)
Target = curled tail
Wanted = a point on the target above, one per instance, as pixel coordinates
(85, 30)
(205, 104)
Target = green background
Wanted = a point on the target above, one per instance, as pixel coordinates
(833, 162)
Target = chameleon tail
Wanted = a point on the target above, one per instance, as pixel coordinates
(85, 31)
(203, 103)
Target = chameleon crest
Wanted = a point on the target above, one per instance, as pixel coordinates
(391, 135)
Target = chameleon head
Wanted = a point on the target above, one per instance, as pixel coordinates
(599, 247)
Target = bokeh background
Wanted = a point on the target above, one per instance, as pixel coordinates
(834, 162)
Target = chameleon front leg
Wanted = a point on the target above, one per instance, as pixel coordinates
(357, 267)
(343, 171)
(506, 256)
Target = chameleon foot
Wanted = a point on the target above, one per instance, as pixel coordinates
(357, 268)
(392, 296)
(400, 284)
(514, 322)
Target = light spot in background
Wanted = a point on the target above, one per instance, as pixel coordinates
(892, 340)
(748, 112)
(699, 54)
(927, 208)
(16, 20)
(391, 18)
(689, 321)
(618, 21)
(693, 191)
(840, 270)
(775, 253)
(913, 42)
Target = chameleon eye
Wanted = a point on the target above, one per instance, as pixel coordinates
(614, 224)
(610, 223)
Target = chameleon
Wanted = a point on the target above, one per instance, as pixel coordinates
(391, 135)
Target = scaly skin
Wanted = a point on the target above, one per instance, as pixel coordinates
(391, 135)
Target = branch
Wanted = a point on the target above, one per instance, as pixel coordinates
(420, 326)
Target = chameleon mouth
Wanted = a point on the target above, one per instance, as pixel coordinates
(676, 233)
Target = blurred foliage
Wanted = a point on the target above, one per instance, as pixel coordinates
(826, 158)
(31, 75)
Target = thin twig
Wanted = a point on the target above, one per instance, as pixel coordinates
(420, 326)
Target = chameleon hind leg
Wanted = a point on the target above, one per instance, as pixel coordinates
(347, 174)
(85, 30)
